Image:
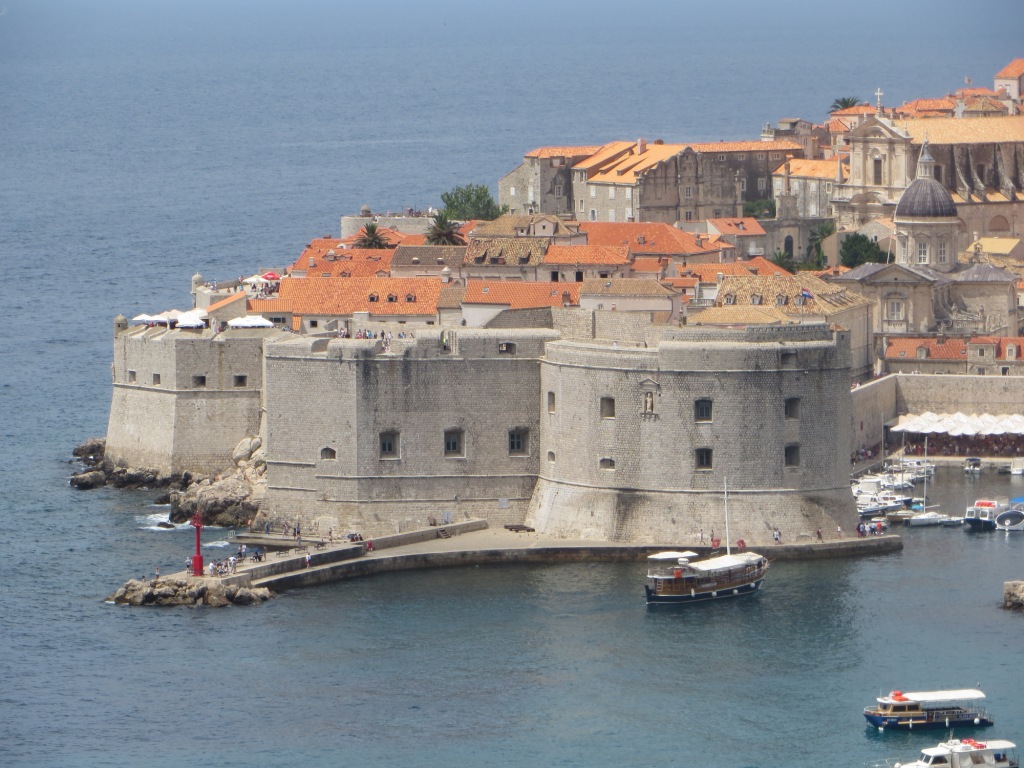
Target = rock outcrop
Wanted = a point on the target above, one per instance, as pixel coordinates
(230, 503)
(178, 591)
(1013, 595)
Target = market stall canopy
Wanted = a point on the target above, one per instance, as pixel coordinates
(250, 321)
(961, 424)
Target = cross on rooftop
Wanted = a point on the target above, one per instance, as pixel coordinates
(878, 99)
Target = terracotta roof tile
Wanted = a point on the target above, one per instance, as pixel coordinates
(800, 168)
(644, 237)
(741, 227)
(860, 109)
(563, 151)
(586, 254)
(624, 286)
(747, 146)
(423, 255)
(954, 130)
(903, 348)
(327, 296)
(799, 294)
(506, 251)
(740, 315)
(225, 302)
(1012, 70)
(651, 265)
(520, 295)
(343, 262)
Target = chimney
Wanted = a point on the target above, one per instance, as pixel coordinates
(641, 146)
(941, 338)
(312, 262)
(718, 278)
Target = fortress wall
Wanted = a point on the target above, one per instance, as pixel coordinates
(660, 518)
(351, 395)
(161, 417)
(873, 404)
(918, 393)
(634, 327)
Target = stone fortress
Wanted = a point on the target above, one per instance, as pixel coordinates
(583, 424)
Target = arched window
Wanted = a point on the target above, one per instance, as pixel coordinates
(787, 246)
(328, 453)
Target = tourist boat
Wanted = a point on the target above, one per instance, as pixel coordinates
(1011, 519)
(972, 465)
(928, 709)
(675, 577)
(1017, 466)
(928, 518)
(965, 753)
(981, 515)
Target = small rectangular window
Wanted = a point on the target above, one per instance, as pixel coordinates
(131, 377)
(519, 442)
(454, 446)
(240, 380)
(702, 410)
(702, 458)
(611, 193)
(314, 323)
(551, 402)
(792, 407)
(156, 379)
(389, 445)
(792, 455)
(593, 191)
(607, 407)
(198, 382)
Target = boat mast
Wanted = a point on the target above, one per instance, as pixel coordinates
(727, 549)
(924, 503)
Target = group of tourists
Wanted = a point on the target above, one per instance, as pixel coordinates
(967, 445)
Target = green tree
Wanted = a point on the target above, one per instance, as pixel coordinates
(472, 201)
(859, 249)
(371, 237)
(819, 235)
(780, 259)
(844, 102)
(760, 209)
(443, 231)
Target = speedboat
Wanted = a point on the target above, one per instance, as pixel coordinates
(928, 709)
(966, 753)
(972, 465)
(981, 515)
(927, 518)
(1011, 519)
(675, 577)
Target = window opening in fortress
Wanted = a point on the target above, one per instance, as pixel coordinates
(792, 455)
(792, 408)
(607, 463)
(507, 348)
(607, 407)
(551, 402)
(702, 458)
(551, 456)
(328, 453)
(198, 381)
(156, 379)
(789, 359)
(702, 410)
(389, 445)
(241, 380)
(131, 377)
(519, 442)
(454, 444)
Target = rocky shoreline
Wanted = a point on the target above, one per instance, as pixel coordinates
(230, 500)
(174, 591)
(1013, 595)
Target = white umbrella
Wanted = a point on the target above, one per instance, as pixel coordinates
(250, 321)
(255, 280)
(142, 319)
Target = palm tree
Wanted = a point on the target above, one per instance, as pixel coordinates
(819, 234)
(371, 237)
(443, 231)
(844, 102)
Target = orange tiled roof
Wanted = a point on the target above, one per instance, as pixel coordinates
(326, 296)
(708, 273)
(224, 302)
(520, 295)
(800, 168)
(954, 130)
(905, 348)
(586, 254)
(747, 146)
(391, 236)
(632, 164)
(266, 306)
(739, 226)
(1002, 344)
(860, 109)
(799, 294)
(345, 262)
(644, 237)
(563, 151)
(1014, 69)
(680, 282)
(652, 265)
(624, 286)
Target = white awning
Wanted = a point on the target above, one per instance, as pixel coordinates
(250, 321)
(961, 424)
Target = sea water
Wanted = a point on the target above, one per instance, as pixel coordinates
(143, 142)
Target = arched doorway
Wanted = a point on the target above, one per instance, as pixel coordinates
(787, 246)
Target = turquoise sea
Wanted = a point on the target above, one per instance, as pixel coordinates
(141, 142)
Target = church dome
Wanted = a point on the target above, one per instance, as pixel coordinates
(926, 198)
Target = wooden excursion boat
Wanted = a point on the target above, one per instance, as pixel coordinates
(929, 709)
(674, 577)
(965, 753)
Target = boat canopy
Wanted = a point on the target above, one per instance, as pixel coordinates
(672, 556)
(967, 746)
(727, 561)
(963, 694)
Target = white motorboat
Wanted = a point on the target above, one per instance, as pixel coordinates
(965, 753)
(928, 518)
(1011, 519)
(982, 514)
(972, 465)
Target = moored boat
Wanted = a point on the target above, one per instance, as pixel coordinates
(981, 515)
(1011, 519)
(928, 518)
(675, 577)
(964, 753)
(929, 709)
(972, 465)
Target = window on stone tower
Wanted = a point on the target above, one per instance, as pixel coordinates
(607, 407)
(702, 458)
(454, 443)
(389, 445)
(328, 453)
(922, 253)
(551, 402)
(519, 442)
(702, 410)
(792, 408)
(876, 171)
(792, 456)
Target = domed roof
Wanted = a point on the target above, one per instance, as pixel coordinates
(926, 199)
